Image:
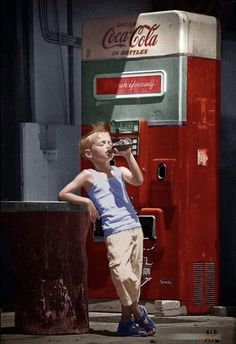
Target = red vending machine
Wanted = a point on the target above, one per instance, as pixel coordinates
(155, 78)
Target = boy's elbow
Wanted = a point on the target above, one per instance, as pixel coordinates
(139, 181)
(61, 196)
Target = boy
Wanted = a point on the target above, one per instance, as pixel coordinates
(109, 201)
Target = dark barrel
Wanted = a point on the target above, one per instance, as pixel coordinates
(47, 242)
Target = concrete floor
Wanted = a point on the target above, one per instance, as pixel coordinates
(171, 330)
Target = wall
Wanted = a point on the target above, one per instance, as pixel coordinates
(50, 159)
(228, 172)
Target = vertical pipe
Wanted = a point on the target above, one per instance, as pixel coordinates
(71, 64)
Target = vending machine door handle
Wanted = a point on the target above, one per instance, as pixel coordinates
(161, 171)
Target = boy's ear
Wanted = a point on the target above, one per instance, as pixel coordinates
(88, 153)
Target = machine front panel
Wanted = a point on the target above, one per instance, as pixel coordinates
(166, 107)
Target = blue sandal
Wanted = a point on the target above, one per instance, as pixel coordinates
(150, 325)
(130, 329)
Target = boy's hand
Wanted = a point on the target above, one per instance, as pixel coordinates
(125, 153)
(92, 211)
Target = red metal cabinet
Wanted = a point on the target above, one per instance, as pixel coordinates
(176, 143)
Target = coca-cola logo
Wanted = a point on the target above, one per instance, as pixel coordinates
(141, 36)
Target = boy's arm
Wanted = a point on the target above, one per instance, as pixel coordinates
(133, 175)
(68, 194)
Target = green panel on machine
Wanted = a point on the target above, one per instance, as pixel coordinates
(167, 107)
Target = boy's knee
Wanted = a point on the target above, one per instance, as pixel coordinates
(123, 276)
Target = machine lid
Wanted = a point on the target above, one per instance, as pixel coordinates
(151, 34)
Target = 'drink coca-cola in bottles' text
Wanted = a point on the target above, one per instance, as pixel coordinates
(136, 40)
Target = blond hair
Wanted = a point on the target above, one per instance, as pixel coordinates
(88, 139)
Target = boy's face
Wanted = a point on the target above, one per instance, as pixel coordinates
(100, 148)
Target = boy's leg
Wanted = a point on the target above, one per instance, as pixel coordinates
(125, 255)
(137, 260)
(143, 319)
(126, 313)
(145, 323)
(125, 264)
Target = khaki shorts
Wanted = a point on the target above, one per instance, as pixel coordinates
(125, 255)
